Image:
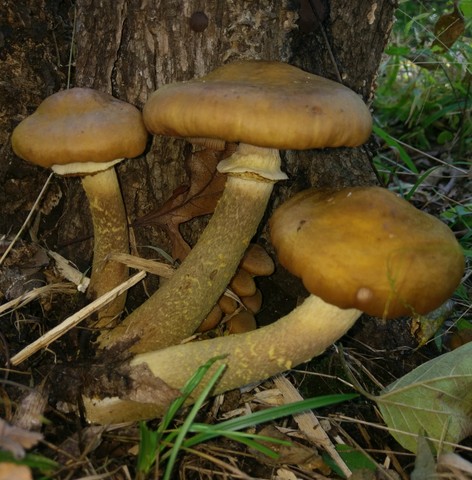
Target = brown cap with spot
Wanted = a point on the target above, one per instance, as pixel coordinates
(265, 104)
(80, 125)
(369, 249)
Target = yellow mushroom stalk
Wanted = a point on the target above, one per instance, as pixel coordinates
(414, 265)
(263, 106)
(296, 338)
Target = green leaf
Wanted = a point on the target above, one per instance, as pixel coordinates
(466, 8)
(435, 398)
(354, 459)
(397, 50)
(425, 462)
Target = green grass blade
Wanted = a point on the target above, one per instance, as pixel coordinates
(391, 142)
(148, 440)
(185, 428)
(418, 182)
(187, 390)
(240, 423)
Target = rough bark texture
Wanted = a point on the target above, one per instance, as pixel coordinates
(129, 48)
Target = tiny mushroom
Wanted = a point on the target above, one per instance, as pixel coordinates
(243, 284)
(257, 261)
(241, 322)
(265, 106)
(364, 240)
(83, 132)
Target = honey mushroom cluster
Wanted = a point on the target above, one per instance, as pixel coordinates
(236, 308)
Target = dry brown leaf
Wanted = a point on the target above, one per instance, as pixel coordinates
(189, 201)
(12, 471)
(448, 29)
(15, 439)
(296, 453)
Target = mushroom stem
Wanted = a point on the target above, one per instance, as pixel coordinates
(110, 227)
(296, 338)
(176, 310)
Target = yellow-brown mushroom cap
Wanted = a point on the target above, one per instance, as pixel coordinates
(369, 249)
(266, 104)
(80, 125)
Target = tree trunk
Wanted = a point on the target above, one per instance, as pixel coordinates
(130, 48)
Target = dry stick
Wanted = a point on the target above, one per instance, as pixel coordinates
(161, 269)
(309, 424)
(28, 297)
(75, 319)
(152, 266)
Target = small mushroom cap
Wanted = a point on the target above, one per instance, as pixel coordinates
(243, 284)
(227, 304)
(254, 302)
(242, 322)
(265, 104)
(80, 125)
(257, 261)
(369, 249)
(212, 320)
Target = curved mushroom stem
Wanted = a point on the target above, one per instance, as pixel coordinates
(110, 227)
(296, 338)
(176, 310)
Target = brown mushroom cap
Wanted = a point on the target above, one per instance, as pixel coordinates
(254, 302)
(242, 322)
(257, 261)
(266, 104)
(212, 320)
(243, 284)
(80, 125)
(227, 304)
(368, 249)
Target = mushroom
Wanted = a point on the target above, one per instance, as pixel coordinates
(241, 322)
(83, 132)
(409, 262)
(265, 106)
(243, 284)
(399, 261)
(254, 302)
(257, 261)
(212, 320)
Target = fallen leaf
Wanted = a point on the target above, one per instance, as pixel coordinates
(434, 400)
(425, 462)
(12, 471)
(448, 29)
(15, 439)
(189, 201)
(307, 458)
(451, 463)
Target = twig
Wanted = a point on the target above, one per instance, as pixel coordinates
(151, 266)
(309, 424)
(28, 297)
(75, 319)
